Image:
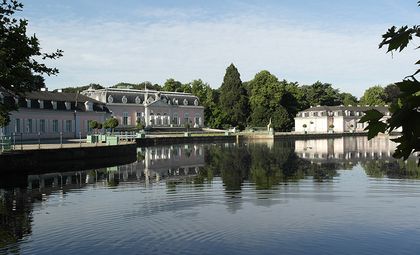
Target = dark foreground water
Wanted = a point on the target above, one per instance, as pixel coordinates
(341, 196)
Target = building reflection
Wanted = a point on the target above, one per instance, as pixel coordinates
(345, 149)
(153, 165)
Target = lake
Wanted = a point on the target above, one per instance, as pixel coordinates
(327, 196)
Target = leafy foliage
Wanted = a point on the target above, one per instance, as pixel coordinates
(20, 69)
(374, 96)
(406, 107)
(111, 123)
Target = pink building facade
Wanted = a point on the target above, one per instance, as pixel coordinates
(51, 115)
(150, 107)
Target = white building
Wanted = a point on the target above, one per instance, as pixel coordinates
(323, 119)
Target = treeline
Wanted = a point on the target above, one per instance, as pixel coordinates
(253, 103)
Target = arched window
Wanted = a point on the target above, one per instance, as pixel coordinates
(185, 101)
(124, 99)
(110, 99)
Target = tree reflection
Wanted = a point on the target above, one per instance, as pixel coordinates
(15, 218)
(266, 167)
(395, 169)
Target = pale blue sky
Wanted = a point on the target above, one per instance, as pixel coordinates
(133, 41)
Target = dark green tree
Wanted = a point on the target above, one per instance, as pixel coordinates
(405, 112)
(322, 94)
(391, 93)
(233, 98)
(20, 69)
(348, 99)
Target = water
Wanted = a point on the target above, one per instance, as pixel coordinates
(341, 196)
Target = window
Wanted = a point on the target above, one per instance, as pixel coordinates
(55, 126)
(42, 126)
(68, 126)
(125, 118)
(175, 119)
(17, 126)
(315, 114)
(30, 126)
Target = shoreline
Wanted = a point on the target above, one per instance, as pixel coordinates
(75, 158)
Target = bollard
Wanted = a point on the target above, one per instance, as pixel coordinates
(14, 141)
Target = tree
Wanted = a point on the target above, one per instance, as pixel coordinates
(233, 98)
(20, 69)
(111, 123)
(373, 96)
(93, 124)
(348, 99)
(172, 85)
(405, 112)
(391, 93)
(139, 124)
(322, 94)
(81, 88)
(271, 99)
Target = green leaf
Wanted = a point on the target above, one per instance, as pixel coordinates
(371, 115)
(375, 128)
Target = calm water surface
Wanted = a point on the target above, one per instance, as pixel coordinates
(337, 196)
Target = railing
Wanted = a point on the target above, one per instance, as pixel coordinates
(5, 143)
(30, 141)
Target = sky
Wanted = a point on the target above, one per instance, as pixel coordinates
(332, 41)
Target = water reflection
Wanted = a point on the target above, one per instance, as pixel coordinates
(261, 174)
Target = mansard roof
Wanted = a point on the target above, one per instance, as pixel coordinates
(359, 108)
(58, 96)
(130, 95)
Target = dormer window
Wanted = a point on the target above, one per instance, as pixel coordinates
(196, 102)
(124, 99)
(185, 102)
(110, 99)
(28, 103)
(54, 105)
(88, 106)
(150, 100)
(68, 105)
(41, 104)
(138, 100)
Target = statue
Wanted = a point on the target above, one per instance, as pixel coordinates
(269, 126)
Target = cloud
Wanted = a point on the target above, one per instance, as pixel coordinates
(110, 52)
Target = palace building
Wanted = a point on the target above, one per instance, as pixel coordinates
(322, 119)
(150, 107)
(51, 115)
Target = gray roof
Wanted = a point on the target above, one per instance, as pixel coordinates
(132, 94)
(348, 108)
(58, 96)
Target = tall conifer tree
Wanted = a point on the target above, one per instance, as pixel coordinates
(233, 98)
